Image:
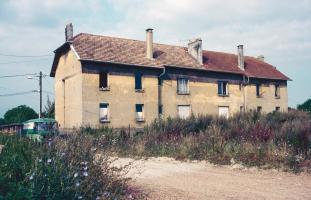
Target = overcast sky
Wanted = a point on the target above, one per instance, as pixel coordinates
(278, 29)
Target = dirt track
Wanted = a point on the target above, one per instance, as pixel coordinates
(165, 178)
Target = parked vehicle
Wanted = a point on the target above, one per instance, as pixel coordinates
(38, 129)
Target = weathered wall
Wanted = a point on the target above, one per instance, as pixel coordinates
(267, 101)
(121, 97)
(68, 91)
(203, 97)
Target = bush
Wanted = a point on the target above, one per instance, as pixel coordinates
(61, 168)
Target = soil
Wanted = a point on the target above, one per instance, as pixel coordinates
(166, 178)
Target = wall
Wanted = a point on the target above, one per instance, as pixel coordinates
(68, 91)
(121, 97)
(267, 101)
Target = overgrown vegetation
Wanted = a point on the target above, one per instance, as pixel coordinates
(281, 140)
(61, 168)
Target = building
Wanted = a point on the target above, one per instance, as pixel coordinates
(102, 80)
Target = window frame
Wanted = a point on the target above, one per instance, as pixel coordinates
(184, 105)
(277, 91)
(142, 118)
(141, 88)
(107, 88)
(187, 92)
(107, 119)
(221, 86)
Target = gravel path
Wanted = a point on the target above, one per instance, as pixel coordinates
(165, 178)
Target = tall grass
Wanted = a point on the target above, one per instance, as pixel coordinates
(60, 168)
(266, 140)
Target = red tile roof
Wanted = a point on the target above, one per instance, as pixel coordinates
(119, 50)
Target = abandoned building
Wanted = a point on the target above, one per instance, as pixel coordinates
(101, 80)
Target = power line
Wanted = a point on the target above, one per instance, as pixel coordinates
(17, 93)
(25, 56)
(25, 61)
(17, 75)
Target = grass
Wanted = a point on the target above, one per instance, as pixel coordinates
(278, 140)
(60, 168)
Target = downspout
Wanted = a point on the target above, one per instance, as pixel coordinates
(244, 90)
(160, 92)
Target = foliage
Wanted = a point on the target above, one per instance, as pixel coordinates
(306, 106)
(19, 114)
(268, 140)
(2, 121)
(61, 168)
(49, 109)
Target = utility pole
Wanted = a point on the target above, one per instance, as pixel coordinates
(40, 91)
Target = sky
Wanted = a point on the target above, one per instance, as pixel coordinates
(30, 30)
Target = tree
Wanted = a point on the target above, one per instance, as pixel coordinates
(49, 109)
(2, 121)
(19, 114)
(306, 106)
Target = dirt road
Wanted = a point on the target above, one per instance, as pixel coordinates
(165, 178)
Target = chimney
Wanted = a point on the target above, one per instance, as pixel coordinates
(261, 58)
(240, 57)
(69, 32)
(195, 49)
(149, 43)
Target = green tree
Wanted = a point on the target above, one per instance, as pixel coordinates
(49, 109)
(19, 114)
(2, 121)
(306, 106)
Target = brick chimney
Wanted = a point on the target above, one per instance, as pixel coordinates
(240, 57)
(195, 49)
(149, 43)
(68, 32)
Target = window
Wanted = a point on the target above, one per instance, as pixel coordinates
(241, 109)
(259, 109)
(258, 90)
(223, 89)
(138, 82)
(104, 112)
(139, 112)
(184, 111)
(277, 91)
(277, 108)
(103, 80)
(223, 111)
(182, 86)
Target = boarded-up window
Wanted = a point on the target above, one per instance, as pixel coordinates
(258, 90)
(277, 91)
(138, 81)
(182, 86)
(104, 112)
(103, 80)
(140, 112)
(223, 111)
(184, 111)
(223, 88)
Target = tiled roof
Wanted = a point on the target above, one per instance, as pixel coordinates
(119, 50)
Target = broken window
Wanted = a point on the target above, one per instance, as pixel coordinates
(103, 80)
(139, 112)
(138, 81)
(182, 86)
(223, 89)
(277, 91)
(103, 112)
